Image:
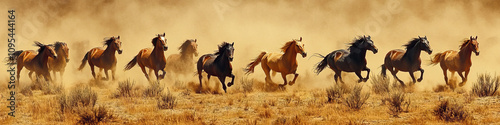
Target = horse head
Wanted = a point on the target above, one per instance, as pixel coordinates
(475, 45)
(160, 41)
(62, 49)
(194, 47)
(367, 43)
(46, 50)
(299, 47)
(424, 44)
(116, 44)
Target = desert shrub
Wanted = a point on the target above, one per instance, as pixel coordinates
(486, 85)
(355, 100)
(380, 84)
(289, 121)
(167, 101)
(51, 88)
(125, 89)
(78, 97)
(246, 84)
(26, 91)
(450, 112)
(334, 93)
(154, 89)
(93, 115)
(398, 103)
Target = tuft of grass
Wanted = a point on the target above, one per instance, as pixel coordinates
(154, 89)
(398, 103)
(380, 84)
(125, 89)
(451, 112)
(246, 84)
(26, 91)
(93, 115)
(167, 101)
(289, 121)
(486, 85)
(355, 100)
(78, 97)
(335, 94)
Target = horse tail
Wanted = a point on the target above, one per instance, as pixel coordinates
(384, 70)
(84, 61)
(131, 63)
(255, 62)
(13, 58)
(436, 59)
(322, 64)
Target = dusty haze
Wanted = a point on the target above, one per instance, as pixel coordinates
(255, 26)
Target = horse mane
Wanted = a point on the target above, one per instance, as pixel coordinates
(221, 48)
(464, 43)
(412, 43)
(42, 47)
(58, 45)
(287, 45)
(108, 41)
(184, 45)
(153, 41)
(355, 42)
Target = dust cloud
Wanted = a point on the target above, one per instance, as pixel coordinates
(256, 26)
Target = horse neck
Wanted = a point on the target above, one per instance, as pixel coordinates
(413, 53)
(465, 53)
(290, 55)
(221, 60)
(158, 51)
(44, 58)
(109, 51)
(60, 56)
(187, 55)
(357, 53)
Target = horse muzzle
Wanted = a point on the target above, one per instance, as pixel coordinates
(165, 48)
(304, 54)
(231, 59)
(120, 51)
(477, 53)
(374, 50)
(67, 60)
(429, 51)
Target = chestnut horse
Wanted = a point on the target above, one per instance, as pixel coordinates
(407, 60)
(182, 63)
(350, 60)
(33, 61)
(103, 59)
(286, 62)
(458, 61)
(59, 64)
(218, 64)
(154, 58)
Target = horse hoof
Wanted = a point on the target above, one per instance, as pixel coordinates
(229, 84)
(419, 80)
(365, 79)
(291, 83)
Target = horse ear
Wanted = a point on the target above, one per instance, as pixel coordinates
(476, 37)
(425, 37)
(195, 40)
(369, 37)
(163, 33)
(232, 44)
(118, 37)
(471, 38)
(419, 37)
(300, 39)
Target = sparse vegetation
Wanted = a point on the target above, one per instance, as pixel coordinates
(125, 89)
(398, 103)
(155, 88)
(167, 101)
(297, 120)
(78, 97)
(334, 94)
(355, 100)
(486, 85)
(246, 84)
(380, 84)
(93, 115)
(451, 112)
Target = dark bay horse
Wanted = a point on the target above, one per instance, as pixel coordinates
(457, 61)
(59, 64)
(182, 63)
(33, 61)
(218, 64)
(154, 59)
(286, 62)
(407, 60)
(350, 60)
(103, 59)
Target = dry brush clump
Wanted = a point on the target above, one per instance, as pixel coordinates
(380, 84)
(398, 103)
(126, 89)
(78, 97)
(486, 85)
(289, 121)
(167, 101)
(335, 94)
(246, 84)
(355, 100)
(94, 115)
(155, 89)
(451, 112)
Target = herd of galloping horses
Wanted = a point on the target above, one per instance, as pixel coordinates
(53, 57)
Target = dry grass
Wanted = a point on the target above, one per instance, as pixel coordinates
(355, 100)
(78, 97)
(126, 89)
(335, 94)
(246, 84)
(93, 115)
(398, 103)
(451, 112)
(297, 120)
(155, 89)
(167, 101)
(486, 85)
(380, 84)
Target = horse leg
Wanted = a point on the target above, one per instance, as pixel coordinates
(113, 73)
(412, 77)
(340, 76)
(232, 80)
(61, 73)
(54, 72)
(30, 74)
(336, 77)
(156, 74)
(266, 71)
(358, 73)
(144, 71)
(367, 74)
(445, 73)
(222, 79)
(463, 78)
(163, 76)
(19, 68)
(92, 69)
(421, 74)
(294, 78)
(150, 72)
(200, 77)
(106, 73)
(394, 72)
(284, 79)
(466, 74)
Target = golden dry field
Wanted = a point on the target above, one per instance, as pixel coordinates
(255, 26)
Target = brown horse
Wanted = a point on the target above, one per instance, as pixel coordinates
(407, 60)
(33, 61)
(350, 60)
(458, 61)
(103, 59)
(154, 58)
(59, 64)
(182, 63)
(286, 62)
(218, 64)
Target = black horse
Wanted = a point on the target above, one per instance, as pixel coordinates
(218, 64)
(350, 60)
